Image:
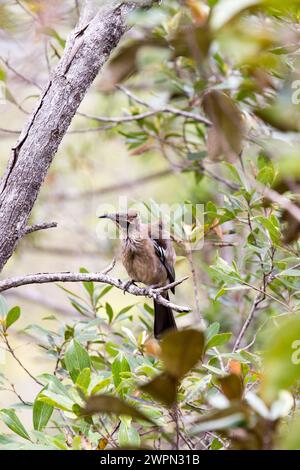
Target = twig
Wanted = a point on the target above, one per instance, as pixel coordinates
(171, 285)
(91, 129)
(166, 109)
(47, 59)
(195, 284)
(43, 278)
(266, 294)
(25, 9)
(122, 119)
(218, 178)
(258, 299)
(13, 390)
(176, 421)
(12, 352)
(20, 75)
(77, 8)
(10, 131)
(112, 188)
(37, 227)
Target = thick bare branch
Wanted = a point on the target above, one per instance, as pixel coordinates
(43, 278)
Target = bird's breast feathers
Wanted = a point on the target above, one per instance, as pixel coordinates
(142, 263)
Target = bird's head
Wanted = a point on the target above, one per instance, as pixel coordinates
(123, 220)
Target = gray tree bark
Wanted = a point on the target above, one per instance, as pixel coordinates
(87, 49)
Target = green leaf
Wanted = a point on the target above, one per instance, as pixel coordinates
(181, 350)
(2, 75)
(271, 224)
(13, 423)
(290, 272)
(218, 340)
(119, 365)
(76, 359)
(103, 292)
(58, 401)
(112, 405)
(109, 312)
(12, 316)
(84, 379)
(212, 330)
(234, 173)
(196, 156)
(100, 385)
(224, 271)
(128, 435)
(41, 414)
(88, 285)
(266, 174)
(53, 384)
(162, 388)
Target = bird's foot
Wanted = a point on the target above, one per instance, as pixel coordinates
(128, 284)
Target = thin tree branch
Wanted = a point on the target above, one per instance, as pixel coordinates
(218, 178)
(77, 8)
(28, 80)
(258, 299)
(166, 109)
(10, 131)
(12, 352)
(112, 188)
(38, 227)
(122, 119)
(266, 294)
(14, 391)
(189, 255)
(29, 12)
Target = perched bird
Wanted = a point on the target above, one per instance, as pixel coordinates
(148, 257)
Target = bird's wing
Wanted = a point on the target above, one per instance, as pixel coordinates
(160, 251)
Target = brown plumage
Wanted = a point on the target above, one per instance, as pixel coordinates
(149, 257)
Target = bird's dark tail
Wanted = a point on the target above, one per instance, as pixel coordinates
(163, 319)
